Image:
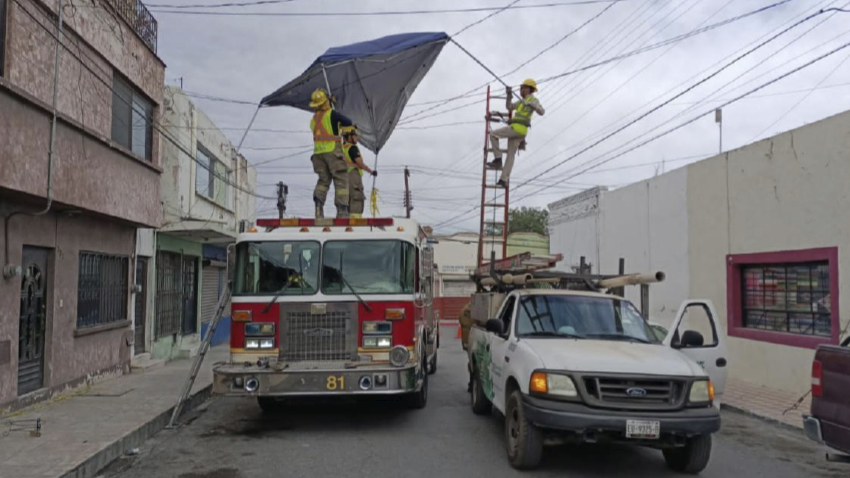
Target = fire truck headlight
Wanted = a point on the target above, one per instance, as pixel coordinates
(370, 342)
(385, 342)
(399, 356)
(252, 343)
(266, 343)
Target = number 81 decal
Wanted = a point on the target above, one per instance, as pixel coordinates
(335, 383)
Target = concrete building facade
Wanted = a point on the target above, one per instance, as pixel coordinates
(66, 296)
(207, 196)
(757, 230)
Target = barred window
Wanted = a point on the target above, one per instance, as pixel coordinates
(792, 298)
(102, 289)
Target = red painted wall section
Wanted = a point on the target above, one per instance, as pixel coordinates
(734, 292)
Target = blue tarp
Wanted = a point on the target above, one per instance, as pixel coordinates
(371, 80)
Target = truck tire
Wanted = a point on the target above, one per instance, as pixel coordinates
(691, 458)
(524, 441)
(432, 367)
(418, 400)
(481, 405)
(270, 405)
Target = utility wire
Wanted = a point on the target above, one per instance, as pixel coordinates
(164, 134)
(221, 5)
(380, 13)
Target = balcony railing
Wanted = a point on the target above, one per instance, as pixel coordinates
(137, 15)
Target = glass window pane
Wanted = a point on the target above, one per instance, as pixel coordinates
(202, 173)
(141, 126)
(220, 189)
(122, 99)
(368, 267)
(285, 267)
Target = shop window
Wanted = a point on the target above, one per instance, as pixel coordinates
(132, 119)
(788, 297)
(102, 289)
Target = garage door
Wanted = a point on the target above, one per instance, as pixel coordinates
(209, 292)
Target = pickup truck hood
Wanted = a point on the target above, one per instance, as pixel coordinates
(605, 356)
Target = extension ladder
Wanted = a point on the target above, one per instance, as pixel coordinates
(498, 219)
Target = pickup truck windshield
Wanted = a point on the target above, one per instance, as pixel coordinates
(368, 267)
(596, 318)
(279, 267)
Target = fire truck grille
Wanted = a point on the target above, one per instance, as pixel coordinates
(317, 337)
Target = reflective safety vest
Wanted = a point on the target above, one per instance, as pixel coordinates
(521, 120)
(348, 159)
(324, 140)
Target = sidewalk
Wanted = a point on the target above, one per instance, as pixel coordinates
(84, 432)
(766, 403)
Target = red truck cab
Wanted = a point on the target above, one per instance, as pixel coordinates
(829, 423)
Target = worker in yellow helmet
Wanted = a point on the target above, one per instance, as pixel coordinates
(516, 130)
(328, 161)
(356, 167)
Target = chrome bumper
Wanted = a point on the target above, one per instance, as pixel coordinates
(234, 380)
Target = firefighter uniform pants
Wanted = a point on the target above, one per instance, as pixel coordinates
(331, 167)
(356, 197)
(514, 139)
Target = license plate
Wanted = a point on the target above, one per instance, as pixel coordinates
(643, 429)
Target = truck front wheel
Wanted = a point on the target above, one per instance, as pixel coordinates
(691, 458)
(523, 440)
(480, 403)
(418, 400)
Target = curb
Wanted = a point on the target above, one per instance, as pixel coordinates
(97, 462)
(770, 420)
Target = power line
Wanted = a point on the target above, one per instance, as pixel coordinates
(221, 5)
(382, 13)
(153, 125)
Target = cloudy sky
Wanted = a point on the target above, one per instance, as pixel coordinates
(248, 56)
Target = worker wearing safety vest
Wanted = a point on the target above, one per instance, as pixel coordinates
(356, 166)
(516, 130)
(328, 161)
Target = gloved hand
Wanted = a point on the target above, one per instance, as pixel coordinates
(374, 174)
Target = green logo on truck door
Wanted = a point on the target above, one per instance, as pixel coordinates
(483, 361)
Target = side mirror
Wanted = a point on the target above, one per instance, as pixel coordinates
(231, 262)
(496, 326)
(692, 338)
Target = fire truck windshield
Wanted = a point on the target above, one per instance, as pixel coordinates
(279, 267)
(368, 267)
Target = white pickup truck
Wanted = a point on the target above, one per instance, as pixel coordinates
(585, 367)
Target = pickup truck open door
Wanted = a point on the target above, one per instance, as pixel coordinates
(696, 333)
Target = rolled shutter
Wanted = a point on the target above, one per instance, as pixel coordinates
(209, 294)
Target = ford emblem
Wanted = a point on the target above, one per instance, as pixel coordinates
(317, 332)
(636, 392)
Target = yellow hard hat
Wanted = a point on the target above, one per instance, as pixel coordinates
(530, 83)
(318, 98)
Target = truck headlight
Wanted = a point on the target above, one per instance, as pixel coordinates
(259, 328)
(702, 392)
(382, 342)
(252, 343)
(266, 343)
(553, 384)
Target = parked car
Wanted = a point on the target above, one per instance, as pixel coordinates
(829, 423)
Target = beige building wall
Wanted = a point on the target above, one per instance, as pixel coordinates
(788, 192)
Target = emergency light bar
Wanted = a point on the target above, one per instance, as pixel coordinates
(301, 222)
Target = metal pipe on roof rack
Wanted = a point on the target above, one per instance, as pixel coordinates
(633, 279)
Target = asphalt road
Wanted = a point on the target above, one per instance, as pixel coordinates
(231, 438)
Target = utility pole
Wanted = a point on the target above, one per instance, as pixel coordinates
(282, 191)
(407, 202)
(718, 118)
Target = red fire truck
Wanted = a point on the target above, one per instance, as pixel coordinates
(330, 307)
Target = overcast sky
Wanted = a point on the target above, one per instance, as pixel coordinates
(248, 57)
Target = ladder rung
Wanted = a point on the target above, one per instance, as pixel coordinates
(489, 204)
(493, 150)
(496, 223)
(493, 186)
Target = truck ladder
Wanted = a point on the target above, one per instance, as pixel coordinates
(499, 203)
(199, 359)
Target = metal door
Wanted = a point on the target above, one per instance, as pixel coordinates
(140, 304)
(169, 294)
(33, 320)
(210, 292)
(190, 295)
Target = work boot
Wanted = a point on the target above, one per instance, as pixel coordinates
(502, 184)
(342, 212)
(495, 164)
(320, 209)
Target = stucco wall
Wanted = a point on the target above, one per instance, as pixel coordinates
(67, 358)
(645, 223)
(784, 193)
